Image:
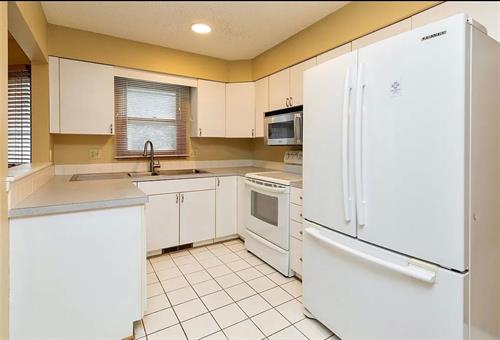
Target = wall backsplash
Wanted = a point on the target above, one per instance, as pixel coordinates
(74, 149)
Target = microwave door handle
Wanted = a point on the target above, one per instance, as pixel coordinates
(297, 126)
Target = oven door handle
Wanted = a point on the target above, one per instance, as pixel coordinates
(265, 187)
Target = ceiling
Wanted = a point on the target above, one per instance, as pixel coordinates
(240, 30)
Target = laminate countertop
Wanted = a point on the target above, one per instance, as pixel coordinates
(60, 195)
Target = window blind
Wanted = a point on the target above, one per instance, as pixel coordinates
(152, 111)
(19, 115)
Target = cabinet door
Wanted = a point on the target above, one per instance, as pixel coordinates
(87, 98)
(297, 81)
(261, 104)
(279, 89)
(332, 54)
(384, 33)
(209, 109)
(162, 221)
(226, 206)
(242, 207)
(197, 216)
(240, 110)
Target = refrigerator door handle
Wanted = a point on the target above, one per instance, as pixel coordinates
(411, 270)
(345, 146)
(359, 148)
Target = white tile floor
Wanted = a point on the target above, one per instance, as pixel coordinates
(221, 292)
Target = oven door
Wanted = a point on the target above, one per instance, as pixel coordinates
(268, 211)
(283, 129)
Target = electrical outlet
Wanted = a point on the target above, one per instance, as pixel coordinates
(94, 154)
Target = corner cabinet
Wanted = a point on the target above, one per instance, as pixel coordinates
(240, 110)
(208, 105)
(261, 104)
(81, 97)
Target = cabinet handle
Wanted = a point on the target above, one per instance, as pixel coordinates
(218, 182)
(176, 198)
(253, 133)
(111, 128)
(199, 131)
(300, 259)
(300, 214)
(301, 232)
(300, 197)
(291, 101)
(287, 102)
(182, 198)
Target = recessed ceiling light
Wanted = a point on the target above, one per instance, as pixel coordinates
(201, 28)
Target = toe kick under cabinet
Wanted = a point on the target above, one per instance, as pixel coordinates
(296, 230)
(188, 211)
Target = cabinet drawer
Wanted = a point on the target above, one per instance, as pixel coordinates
(296, 255)
(296, 212)
(296, 229)
(296, 196)
(179, 185)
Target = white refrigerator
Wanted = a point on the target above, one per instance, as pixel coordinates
(401, 183)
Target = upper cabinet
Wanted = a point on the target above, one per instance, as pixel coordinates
(208, 104)
(279, 90)
(240, 110)
(332, 54)
(285, 87)
(81, 97)
(261, 104)
(384, 33)
(297, 81)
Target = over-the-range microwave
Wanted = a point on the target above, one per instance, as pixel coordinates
(283, 127)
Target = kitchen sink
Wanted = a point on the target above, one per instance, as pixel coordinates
(167, 173)
(121, 175)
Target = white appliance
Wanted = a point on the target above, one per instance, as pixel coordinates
(268, 221)
(402, 235)
(283, 127)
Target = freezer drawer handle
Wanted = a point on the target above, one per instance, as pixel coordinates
(411, 270)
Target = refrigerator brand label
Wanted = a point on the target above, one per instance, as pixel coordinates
(395, 88)
(430, 36)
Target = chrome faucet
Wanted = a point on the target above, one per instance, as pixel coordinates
(153, 165)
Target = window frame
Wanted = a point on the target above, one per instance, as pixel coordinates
(122, 118)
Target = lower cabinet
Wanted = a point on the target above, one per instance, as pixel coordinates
(162, 221)
(226, 206)
(179, 212)
(197, 216)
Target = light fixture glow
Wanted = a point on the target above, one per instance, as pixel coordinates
(201, 28)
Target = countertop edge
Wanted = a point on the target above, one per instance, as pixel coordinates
(75, 207)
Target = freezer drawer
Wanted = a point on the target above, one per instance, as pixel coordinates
(362, 291)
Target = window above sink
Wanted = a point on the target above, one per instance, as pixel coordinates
(146, 110)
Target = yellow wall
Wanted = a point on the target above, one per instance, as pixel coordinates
(350, 22)
(74, 149)
(4, 230)
(16, 54)
(28, 25)
(41, 138)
